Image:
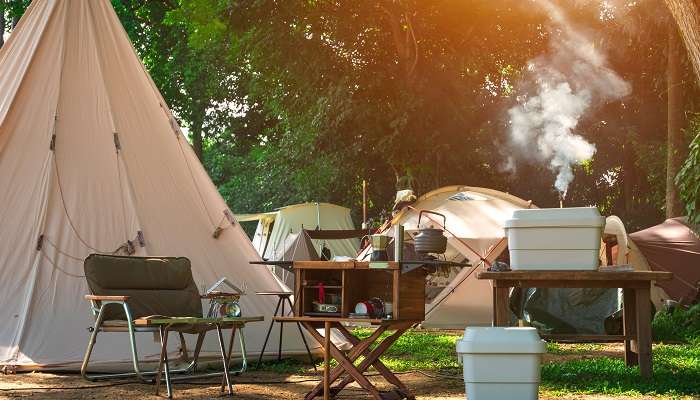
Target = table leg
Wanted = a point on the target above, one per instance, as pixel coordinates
(279, 346)
(500, 312)
(267, 336)
(372, 359)
(163, 364)
(228, 356)
(303, 338)
(642, 300)
(354, 353)
(198, 349)
(345, 365)
(629, 320)
(326, 361)
(224, 360)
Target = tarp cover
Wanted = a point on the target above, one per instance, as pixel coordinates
(71, 88)
(673, 246)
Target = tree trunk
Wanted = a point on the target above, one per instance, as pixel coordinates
(675, 122)
(686, 13)
(628, 174)
(2, 23)
(198, 139)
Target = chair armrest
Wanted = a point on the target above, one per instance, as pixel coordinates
(93, 297)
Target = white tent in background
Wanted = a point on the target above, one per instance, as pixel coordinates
(92, 161)
(272, 235)
(474, 222)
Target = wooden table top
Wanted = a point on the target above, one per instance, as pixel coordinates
(283, 294)
(373, 321)
(194, 320)
(569, 275)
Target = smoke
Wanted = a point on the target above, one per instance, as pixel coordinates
(563, 84)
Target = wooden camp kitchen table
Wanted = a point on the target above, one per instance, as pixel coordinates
(636, 286)
(401, 284)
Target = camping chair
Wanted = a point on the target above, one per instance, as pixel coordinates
(156, 296)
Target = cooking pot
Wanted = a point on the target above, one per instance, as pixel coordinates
(430, 240)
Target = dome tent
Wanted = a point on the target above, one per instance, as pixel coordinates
(275, 229)
(475, 218)
(670, 246)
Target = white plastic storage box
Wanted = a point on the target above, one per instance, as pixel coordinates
(555, 238)
(501, 363)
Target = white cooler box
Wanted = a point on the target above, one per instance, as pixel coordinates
(501, 363)
(555, 238)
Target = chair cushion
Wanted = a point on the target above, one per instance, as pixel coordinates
(155, 285)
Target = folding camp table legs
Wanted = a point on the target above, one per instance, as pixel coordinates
(164, 368)
(283, 298)
(361, 347)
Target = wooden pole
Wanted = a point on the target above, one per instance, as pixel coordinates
(364, 204)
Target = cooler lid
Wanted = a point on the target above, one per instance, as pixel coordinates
(488, 340)
(556, 217)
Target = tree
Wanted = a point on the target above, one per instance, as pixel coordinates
(676, 122)
(686, 13)
(2, 23)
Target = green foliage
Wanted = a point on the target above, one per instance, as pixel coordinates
(333, 92)
(688, 181)
(678, 325)
(291, 101)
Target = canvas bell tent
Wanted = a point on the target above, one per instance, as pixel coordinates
(272, 234)
(92, 161)
(474, 228)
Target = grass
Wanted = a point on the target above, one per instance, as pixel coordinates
(586, 371)
(676, 372)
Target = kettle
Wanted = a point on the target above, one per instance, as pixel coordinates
(430, 240)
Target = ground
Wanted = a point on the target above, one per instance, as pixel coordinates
(588, 371)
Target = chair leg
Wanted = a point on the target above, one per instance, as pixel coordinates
(132, 342)
(267, 336)
(223, 359)
(303, 338)
(91, 345)
(244, 356)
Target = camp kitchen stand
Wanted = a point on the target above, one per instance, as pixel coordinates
(401, 284)
(636, 307)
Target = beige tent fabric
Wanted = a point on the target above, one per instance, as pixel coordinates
(475, 218)
(69, 76)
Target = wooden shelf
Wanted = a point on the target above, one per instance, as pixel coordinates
(406, 291)
(324, 286)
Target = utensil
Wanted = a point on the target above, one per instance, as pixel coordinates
(379, 244)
